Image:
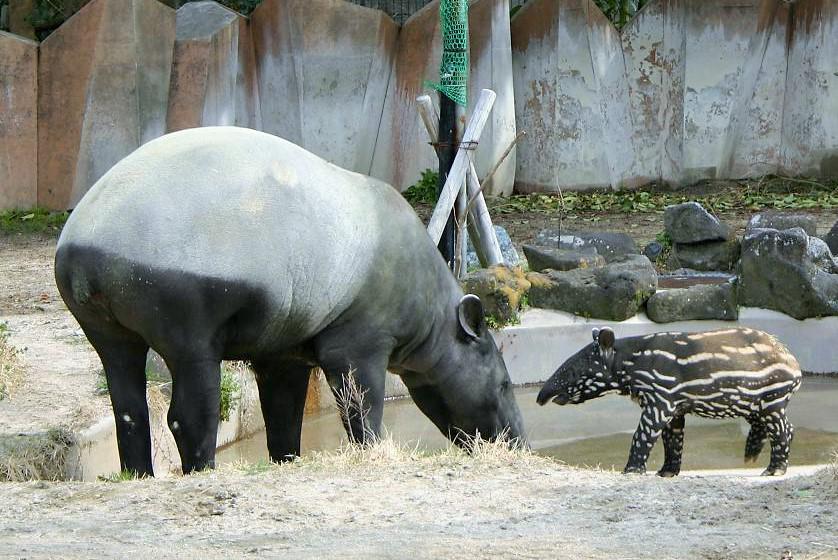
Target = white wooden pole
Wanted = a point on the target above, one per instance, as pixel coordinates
(480, 228)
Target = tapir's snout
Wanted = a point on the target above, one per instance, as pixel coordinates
(550, 392)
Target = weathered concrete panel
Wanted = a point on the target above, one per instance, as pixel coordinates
(103, 90)
(322, 69)
(213, 82)
(18, 121)
(810, 119)
(402, 150)
(568, 67)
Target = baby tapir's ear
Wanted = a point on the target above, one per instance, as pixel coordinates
(605, 338)
(470, 315)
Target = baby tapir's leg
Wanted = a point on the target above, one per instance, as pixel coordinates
(673, 447)
(756, 438)
(780, 431)
(652, 422)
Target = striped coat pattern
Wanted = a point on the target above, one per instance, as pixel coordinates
(726, 373)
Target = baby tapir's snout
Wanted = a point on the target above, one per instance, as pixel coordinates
(585, 375)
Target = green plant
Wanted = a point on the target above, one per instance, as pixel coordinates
(121, 476)
(230, 393)
(35, 220)
(424, 190)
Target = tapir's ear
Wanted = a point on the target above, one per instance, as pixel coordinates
(470, 315)
(606, 344)
(605, 339)
(595, 334)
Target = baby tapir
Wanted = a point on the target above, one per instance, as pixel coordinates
(717, 374)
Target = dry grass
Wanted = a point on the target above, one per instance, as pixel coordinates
(40, 456)
(11, 368)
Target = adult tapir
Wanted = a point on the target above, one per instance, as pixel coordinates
(225, 243)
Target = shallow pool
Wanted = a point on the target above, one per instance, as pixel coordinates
(597, 432)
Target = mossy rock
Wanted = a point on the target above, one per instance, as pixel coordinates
(501, 289)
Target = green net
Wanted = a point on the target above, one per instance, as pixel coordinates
(453, 71)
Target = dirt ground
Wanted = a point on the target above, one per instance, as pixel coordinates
(446, 506)
(387, 504)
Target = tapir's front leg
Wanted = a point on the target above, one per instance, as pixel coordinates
(652, 421)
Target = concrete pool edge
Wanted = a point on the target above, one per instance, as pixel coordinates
(558, 335)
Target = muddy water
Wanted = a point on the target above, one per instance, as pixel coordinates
(598, 432)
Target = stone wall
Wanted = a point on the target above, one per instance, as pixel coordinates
(688, 90)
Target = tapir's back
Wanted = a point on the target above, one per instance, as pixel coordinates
(726, 355)
(238, 206)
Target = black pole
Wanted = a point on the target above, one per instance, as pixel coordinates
(447, 152)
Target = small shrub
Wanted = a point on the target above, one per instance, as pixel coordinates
(230, 392)
(423, 191)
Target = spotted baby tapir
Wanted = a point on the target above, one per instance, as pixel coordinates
(718, 374)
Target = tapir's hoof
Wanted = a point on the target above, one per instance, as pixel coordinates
(634, 470)
(770, 471)
(666, 473)
(751, 458)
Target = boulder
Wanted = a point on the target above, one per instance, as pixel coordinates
(501, 289)
(784, 220)
(614, 292)
(608, 244)
(653, 250)
(788, 271)
(708, 255)
(704, 301)
(691, 223)
(541, 258)
(507, 248)
(831, 239)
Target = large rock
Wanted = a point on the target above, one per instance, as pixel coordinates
(541, 258)
(213, 70)
(831, 239)
(501, 289)
(610, 245)
(707, 256)
(103, 87)
(507, 249)
(691, 223)
(706, 301)
(784, 220)
(18, 122)
(614, 292)
(788, 271)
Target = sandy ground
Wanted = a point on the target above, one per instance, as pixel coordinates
(397, 505)
(61, 369)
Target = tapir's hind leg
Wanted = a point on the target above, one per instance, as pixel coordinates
(673, 447)
(283, 385)
(780, 431)
(123, 356)
(193, 413)
(756, 438)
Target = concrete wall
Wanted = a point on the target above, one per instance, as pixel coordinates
(18, 121)
(707, 88)
(103, 91)
(402, 151)
(688, 90)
